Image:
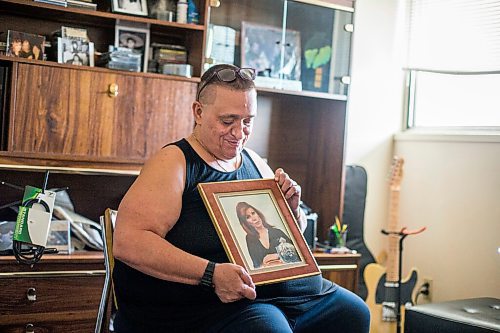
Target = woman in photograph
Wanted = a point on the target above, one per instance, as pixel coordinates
(131, 41)
(76, 60)
(263, 240)
(26, 51)
(15, 47)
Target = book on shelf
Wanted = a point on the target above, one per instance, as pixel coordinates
(61, 3)
(81, 4)
(74, 33)
(169, 53)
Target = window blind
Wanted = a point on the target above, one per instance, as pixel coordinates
(454, 36)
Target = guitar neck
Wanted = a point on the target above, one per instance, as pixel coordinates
(393, 253)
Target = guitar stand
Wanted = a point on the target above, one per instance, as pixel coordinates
(402, 234)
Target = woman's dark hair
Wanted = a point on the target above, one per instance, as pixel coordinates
(241, 209)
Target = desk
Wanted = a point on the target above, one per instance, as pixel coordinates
(64, 291)
(343, 269)
(58, 293)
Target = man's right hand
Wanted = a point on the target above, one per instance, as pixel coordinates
(232, 283)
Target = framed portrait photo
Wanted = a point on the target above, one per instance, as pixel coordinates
(25, 45)
(133, 7)
(258, 230)
(134, 39)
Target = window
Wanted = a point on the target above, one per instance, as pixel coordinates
(453, 63)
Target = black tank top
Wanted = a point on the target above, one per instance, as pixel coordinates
(147, 304)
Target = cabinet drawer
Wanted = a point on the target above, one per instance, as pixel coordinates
(71, 113)
(50, 327)
(66, 298)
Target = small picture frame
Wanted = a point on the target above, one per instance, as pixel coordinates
(135, 39)
(243, 210)
(59, 236)
(25, 45)
(75, 51)
(132, 7)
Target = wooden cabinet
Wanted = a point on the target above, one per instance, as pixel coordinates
(72, 113)
(343, 269)
(62, 116)
(61, 293)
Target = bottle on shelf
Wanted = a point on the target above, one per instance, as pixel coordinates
(182, 9)
(192, 12)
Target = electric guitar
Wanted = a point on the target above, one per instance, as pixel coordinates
(382, 282)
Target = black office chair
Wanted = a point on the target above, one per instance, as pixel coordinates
(107, 297)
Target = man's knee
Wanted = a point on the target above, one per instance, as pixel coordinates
(259, 317)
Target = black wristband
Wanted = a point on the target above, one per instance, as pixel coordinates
(207, 278)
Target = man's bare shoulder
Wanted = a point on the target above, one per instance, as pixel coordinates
(169, 159)
(161, 181)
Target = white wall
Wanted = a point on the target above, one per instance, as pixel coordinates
(376, 97)
(451, 187)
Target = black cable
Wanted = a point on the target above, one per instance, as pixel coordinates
(19, 253)
(423, 290)
(45, 181)
(17, 187)
(15, 203)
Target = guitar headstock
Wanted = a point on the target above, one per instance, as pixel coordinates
(396, 172)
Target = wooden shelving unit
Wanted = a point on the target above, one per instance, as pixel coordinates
(60, 116)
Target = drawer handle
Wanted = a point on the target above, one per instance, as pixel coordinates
(31, 294)
(113, 90)
(30, 328)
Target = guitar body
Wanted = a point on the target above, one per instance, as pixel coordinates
(378, 293)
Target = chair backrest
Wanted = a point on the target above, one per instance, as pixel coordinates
(107, 297)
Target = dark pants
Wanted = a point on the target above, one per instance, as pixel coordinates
(340, 311)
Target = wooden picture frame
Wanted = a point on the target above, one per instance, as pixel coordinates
(132, 7)
(237, 207)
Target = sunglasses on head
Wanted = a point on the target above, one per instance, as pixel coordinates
(228, 75)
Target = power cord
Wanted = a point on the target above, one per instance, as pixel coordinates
(423, 290)
(36, 252)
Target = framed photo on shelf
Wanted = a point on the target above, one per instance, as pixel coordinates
(243, 210)
(25, 45)
(133, 7)
(75, 52)
(262, 49)
(135, 39)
